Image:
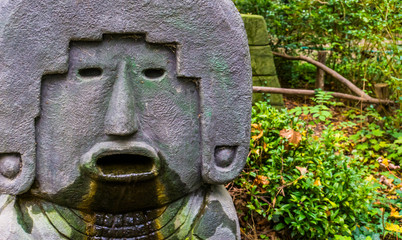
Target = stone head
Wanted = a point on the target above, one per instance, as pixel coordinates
(121, 105)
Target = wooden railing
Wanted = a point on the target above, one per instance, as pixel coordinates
(361, 95)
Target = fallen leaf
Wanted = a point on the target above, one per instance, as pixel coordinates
(302, 170)
(362, 139)
(291, 135)
(393, 167)
(261, 180)
(387, 182)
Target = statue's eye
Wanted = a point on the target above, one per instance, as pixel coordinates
(154, 73)
(90, 72)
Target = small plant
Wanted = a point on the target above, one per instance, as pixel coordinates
(320, 112)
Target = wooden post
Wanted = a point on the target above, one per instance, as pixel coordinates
(319, 82)
(382, 92)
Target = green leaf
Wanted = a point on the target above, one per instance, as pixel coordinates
(377, 132)
(279, 227)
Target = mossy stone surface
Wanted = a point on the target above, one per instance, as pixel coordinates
(256, 29)
(268, 81)
(262, 61)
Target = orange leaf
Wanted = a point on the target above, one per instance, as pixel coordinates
(259, 136)
(264, 146)
(261, 180)
(395, 187)
(395, 214)
(317, 182)
(291, 135)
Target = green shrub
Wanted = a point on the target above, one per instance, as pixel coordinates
(302, 183)
(379, 136)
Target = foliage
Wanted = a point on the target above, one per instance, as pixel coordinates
(362, 36)
(304, 184)
(378, 136)
(320, 111)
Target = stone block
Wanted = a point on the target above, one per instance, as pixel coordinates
(268, 81)
(256, 29)
(262, 61)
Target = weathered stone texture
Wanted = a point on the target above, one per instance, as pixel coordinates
(262, 61)
(271, 81)
(256, 30)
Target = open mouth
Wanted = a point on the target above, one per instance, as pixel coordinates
(122, 164)
(112, 161)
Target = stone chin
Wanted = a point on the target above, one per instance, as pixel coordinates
(121, 190)
(204, 214)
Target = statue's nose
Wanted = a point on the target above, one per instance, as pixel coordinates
(121, 119)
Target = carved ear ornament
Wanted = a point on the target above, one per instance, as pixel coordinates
(225, 164)
(10, 165)
(16, 173)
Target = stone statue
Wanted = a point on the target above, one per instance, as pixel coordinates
(121, 119)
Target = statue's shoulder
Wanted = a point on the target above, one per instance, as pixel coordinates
(9, 219)
(218, 209)
(23, 220)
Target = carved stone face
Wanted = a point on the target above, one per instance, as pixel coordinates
(120, 130)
